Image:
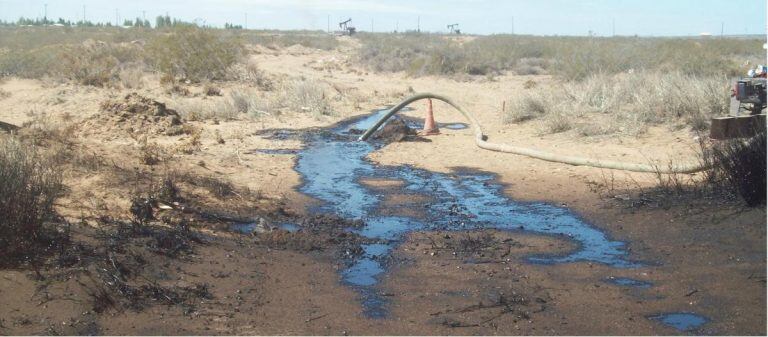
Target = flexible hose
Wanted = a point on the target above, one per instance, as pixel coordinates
(571, 160)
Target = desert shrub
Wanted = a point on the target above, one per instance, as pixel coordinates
(44, 130)
(29, 38)
(131, 77)
(306, 96)
(217, 187)
(29, 63)
(417, 54)
(178, 90)
(92, 65)
(191, 144)
(527, 106)
(556, 122)
(571, 58)
(193, 54)
(29, 185)
(629, 102)
(241, 101)
(151, 153)
(211, 90)
(531, 66)
(237, 104)
(250, 73)
(740, 166)
(88, 63)
(248, 102)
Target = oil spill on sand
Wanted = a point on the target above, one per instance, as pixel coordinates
(333, 163)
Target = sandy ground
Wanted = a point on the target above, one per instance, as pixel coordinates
(708, 256)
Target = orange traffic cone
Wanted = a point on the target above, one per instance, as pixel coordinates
(430, 127)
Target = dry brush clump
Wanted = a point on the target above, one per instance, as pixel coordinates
(30, 182)
(416, 54)
(307, 96)
(625, 103)
(114, 57)
(295, 96)
(90, 62)
(740, 166)
(193, 54)
(571, 58)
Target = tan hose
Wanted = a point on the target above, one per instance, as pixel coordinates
(571, 160)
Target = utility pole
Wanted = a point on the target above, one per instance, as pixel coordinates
(722, 29)
(418, 24)
(45, 14)
(117, 17)
(83, 14)
(246, 20)
(513, 25)
(613, 28)
(328, 28)
(371, 25)
(397, 25)
(144, 15)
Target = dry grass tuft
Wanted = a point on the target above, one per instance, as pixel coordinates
(211, 90)
(306, 96)
(191, 144)
(132, 78)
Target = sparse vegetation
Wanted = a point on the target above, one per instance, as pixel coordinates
(193, 54)
(211, 90)
(571, 58)
(191, 144)
(625, 103)
(89, 63)
(30, 182)
(306, 96)
(740, 166)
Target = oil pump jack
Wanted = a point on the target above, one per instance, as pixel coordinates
(346, 29)
(454, 28)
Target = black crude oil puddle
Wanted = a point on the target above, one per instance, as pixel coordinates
(628, 282)
(681, 321)
(250, 227)
(418, 123)
(453, 126)
(333, 163)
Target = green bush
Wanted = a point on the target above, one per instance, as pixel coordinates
(193, 54)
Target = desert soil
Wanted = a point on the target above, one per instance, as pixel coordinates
(708, 255)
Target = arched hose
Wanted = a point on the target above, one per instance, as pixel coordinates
(571, 160)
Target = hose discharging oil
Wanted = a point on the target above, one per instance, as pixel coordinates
(481, 142)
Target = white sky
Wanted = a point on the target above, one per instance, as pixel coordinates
(540, 17)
